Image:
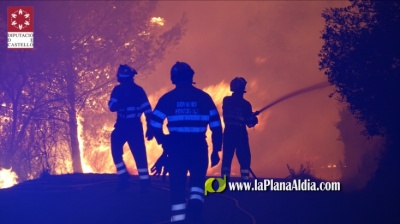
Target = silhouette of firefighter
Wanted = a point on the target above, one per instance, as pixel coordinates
(189, 111)
(129, 100)
(237, 114)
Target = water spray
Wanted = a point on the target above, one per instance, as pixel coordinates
(293, 94)
(288, 96)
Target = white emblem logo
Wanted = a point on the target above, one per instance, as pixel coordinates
(20, 19)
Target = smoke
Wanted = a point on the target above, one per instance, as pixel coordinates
(361, 155)
(274, 45)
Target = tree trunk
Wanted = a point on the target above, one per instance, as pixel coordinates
(74, 143)
(71, 80)
(72, 122)
(11, 144)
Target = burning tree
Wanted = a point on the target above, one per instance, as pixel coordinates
(78, 45)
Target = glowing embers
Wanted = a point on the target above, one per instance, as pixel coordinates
(157, 20)
(8, 178)
(330, 166)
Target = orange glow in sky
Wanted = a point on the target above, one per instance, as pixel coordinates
(274, 45)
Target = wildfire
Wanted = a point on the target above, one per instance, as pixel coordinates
(8, 178)
(157, 20)
(85, 166)
(330, 166)
(92, 163)
(217, 93)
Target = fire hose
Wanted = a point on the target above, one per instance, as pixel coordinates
(288, 96)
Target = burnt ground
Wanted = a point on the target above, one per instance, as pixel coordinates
(92, 198)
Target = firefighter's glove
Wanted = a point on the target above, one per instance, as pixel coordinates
(252, 121)
(160, 168)
(149, 133)
(214, 158)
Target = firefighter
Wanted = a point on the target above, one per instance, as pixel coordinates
(237, 114)
(189, 111)
(129, 100)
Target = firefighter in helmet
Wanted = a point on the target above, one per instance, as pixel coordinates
(237, 114)
(189, 111)
(130, 101)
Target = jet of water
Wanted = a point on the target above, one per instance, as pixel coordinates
(293, 94)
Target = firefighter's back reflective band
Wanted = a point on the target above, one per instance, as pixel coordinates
(159, 114)
(188, 118)
(187, 129)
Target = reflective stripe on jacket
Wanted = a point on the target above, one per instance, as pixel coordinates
(235, 111)
(129, 101)
(187, 110)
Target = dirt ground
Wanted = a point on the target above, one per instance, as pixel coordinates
(93, 198)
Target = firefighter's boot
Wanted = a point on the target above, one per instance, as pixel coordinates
(195, 212)
(145, 185)
(123, 182)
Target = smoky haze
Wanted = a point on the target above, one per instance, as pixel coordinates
(274, 45)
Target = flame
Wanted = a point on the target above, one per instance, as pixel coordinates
(8, 178)
(105, 164)
(157, 20)
(86, 168)
(330, 166)
(217, 93)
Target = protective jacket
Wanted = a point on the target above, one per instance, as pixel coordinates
(189, 111)
(236, 112)
(129, 101)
